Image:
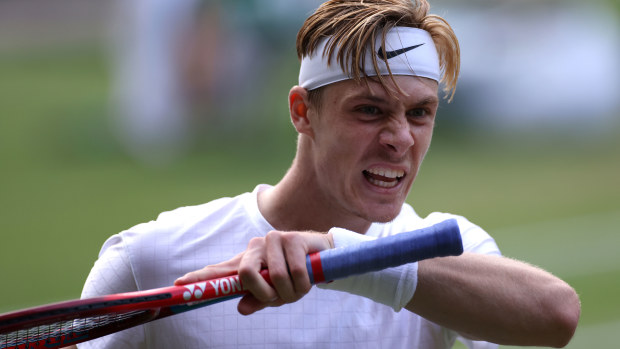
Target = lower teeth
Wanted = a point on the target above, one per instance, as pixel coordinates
(382, 183)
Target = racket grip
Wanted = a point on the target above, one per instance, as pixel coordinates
(439, 240)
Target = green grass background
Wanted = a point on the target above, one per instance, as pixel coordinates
(66, 185)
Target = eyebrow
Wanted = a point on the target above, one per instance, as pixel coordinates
(428, 100)
(369, 97)
(372, 98)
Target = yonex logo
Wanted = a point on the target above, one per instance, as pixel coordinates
(220, 287)
(195, 290)
(385, 55)
(226, 285)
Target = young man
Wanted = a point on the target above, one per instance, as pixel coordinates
(364, 110)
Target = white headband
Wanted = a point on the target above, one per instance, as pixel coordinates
(409, 51)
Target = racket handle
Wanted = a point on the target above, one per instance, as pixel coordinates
(439, 240)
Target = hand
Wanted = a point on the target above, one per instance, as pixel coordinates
(283, 254)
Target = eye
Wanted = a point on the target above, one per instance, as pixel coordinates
(369, 110)
(417, 112)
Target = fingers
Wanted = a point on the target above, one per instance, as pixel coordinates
(284, 255)
(253, 261)
(283, 262)
(290, 277)
(249, 304)
(211, 271)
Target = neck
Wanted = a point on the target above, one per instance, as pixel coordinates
(297, 204)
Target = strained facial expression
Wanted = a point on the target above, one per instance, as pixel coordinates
(368, 144)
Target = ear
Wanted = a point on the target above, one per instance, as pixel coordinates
(298, 109)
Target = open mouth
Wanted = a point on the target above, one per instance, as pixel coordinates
(383, 177)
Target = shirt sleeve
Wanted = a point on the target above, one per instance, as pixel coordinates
(112, 273)
(475, 239)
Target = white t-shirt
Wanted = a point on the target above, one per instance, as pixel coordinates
(154, 254)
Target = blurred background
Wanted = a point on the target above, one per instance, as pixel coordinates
(114, 111)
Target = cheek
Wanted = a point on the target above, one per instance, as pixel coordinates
(339, 159)
(337, 155)
(340, 140)
(423, 138)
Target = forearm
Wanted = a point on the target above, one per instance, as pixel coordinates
(496, 299)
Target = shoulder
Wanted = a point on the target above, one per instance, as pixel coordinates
(112, 272)
(191, 236)
(187, 218)
(475, 239)
(191, 214)
(183, 227)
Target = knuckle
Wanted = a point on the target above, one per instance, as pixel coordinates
(289, 238)
(245, 271)
(294, 240)
(273, 236)
(256, 242)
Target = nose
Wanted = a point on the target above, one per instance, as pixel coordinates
(397, 136)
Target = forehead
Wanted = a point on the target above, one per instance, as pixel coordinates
(402, 88)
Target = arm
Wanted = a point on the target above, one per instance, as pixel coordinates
(496, 299)
(483, 297)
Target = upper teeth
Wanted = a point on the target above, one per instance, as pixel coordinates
(387, 172)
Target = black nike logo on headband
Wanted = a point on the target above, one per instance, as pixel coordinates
(385, 55)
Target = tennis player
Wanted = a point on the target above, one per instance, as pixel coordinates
(364, 110)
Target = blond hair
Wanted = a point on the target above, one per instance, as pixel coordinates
(353, 25)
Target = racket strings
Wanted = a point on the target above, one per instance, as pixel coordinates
(66, 331)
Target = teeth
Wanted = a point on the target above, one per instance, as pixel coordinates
(391, 177)
(387, 172)
(382, 183)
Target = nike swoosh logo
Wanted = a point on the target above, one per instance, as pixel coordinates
(382, 53)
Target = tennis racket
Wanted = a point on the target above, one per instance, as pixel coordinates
(71, 322)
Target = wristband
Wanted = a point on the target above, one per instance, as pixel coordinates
(393, 287)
